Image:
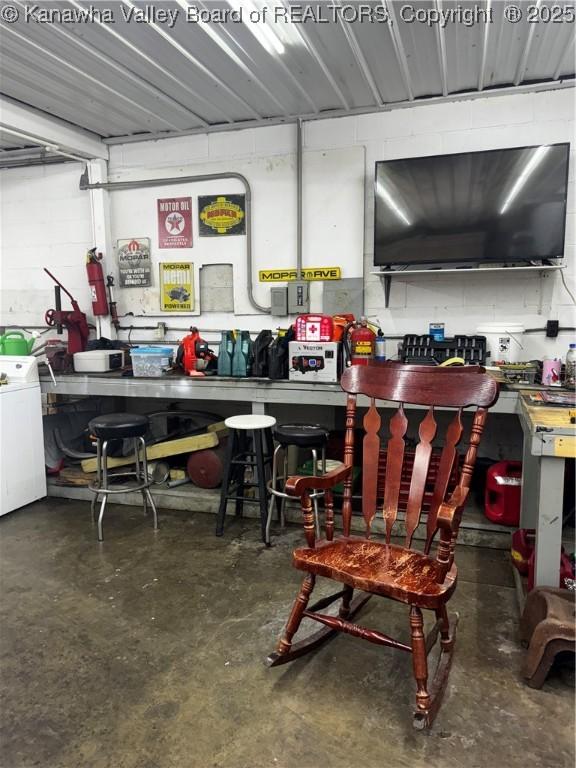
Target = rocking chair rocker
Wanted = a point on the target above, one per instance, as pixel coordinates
(381, 568)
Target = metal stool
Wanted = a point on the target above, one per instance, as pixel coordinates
(312, 437)
(117, 426)
(239, 456)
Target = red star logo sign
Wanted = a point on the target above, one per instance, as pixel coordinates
(175, 223)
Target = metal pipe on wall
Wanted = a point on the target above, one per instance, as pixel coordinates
(143, 183)
(299, 199)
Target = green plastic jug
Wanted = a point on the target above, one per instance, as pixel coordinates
(16, 344)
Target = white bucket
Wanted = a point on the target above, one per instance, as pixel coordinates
(503, 341)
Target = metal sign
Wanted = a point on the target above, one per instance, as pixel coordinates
(134, 265)
(221, 215)
(174, 222)
(176, 287)
(308, 273)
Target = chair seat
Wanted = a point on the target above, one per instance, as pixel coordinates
(302, 435)
(250, 421)
(118, 425)
(382, 569)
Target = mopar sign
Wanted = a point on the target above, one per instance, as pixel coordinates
(308, 273)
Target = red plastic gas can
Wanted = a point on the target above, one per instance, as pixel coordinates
(502, 495)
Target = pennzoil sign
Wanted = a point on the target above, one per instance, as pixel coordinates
(308, 273)
(222, 215)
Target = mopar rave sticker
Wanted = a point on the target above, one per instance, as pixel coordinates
(134, 266)
(176, 287)
(221, 215)
(274, 275)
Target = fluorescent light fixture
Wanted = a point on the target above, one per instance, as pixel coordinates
(535, 160)
(391, 203)
(259, 29)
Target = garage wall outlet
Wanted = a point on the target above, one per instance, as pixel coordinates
(552, 329)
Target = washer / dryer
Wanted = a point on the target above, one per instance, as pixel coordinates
(22, 470)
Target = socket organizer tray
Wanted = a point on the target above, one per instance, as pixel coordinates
(426, 350)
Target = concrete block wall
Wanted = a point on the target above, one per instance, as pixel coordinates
(38, 230)
(46, 222)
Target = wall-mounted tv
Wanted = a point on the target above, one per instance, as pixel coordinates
(503, 205)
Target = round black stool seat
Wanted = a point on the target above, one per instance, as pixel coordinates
(118, 425)
(302, 435)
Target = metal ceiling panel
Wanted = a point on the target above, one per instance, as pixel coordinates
(127, 79)
(9, 142)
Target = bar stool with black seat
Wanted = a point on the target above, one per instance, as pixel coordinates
(119, 426)
(311, 437)
(250, 446)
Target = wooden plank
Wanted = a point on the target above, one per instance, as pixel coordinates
(219, 427)
(161, 450)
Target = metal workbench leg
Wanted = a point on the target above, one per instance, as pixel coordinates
(529, 496)
(549, 526)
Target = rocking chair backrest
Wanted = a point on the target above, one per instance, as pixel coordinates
(423, 386)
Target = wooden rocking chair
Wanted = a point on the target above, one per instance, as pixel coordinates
(382, 568)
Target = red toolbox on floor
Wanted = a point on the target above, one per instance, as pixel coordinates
(502, 495)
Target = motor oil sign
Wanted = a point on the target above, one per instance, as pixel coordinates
(176, 287)
(134, 266)
(221, 215)
(175, 222)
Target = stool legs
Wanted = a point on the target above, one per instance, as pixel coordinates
(230, 444)
(261, 472)
(273, 498)
(101, 487)
(98, 479)
(239, 456)
(146, 495)
(104, 461)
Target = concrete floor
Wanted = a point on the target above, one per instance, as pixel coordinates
(147, 652)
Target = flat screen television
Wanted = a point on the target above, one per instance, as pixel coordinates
(504, 205)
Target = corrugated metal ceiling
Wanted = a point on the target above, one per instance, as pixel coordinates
(123, 78)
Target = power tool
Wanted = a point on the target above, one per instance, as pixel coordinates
(194, 355)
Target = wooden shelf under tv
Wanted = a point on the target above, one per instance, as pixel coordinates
(388, 274)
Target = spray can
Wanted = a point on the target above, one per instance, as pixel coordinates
(380, 347)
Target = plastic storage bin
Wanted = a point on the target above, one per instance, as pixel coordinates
(503, 486)
(151, 362)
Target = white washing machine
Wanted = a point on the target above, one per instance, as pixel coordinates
(22, 470)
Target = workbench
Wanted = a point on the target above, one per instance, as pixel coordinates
(258, 392)
(549, 439)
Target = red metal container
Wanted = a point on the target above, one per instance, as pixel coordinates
(522, 549)
(502, 495)
(565, 571)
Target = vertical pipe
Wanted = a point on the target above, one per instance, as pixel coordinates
(299, 199)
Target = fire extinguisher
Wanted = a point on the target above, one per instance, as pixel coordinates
(359, 343)
(96, 281)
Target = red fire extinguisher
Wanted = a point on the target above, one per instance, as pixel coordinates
(96, 281)
(359, 342)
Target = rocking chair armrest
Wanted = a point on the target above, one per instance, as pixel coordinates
(298, 485)
(448, 510)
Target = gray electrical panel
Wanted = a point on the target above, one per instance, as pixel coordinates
(279, 301)
(346, 295)
(298, 298)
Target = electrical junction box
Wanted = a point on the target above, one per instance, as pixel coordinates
(298, 297)
(312, 362)
(279, 301)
